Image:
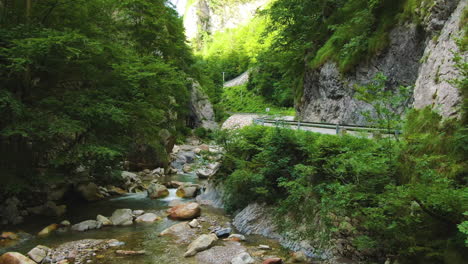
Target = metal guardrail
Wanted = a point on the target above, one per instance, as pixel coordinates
(339, 128)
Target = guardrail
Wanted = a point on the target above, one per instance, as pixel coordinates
(339, 128)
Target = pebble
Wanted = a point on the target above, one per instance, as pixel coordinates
(266, 247)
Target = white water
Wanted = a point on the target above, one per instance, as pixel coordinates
(172, 196)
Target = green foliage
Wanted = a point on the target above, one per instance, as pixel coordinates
(388, 106)
(408, 199)
(239, 99)
(84, 82)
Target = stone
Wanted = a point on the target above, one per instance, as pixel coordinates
(122, 217)
(185, 211)
(65, 223)
(175, 229)
(38, 253)
(201, 243)
(147, 218)
(9, 235)
(299, 257)
(158, 171)
(129, 176)
(194, 223)
(174, 184)
(115, 243)
(130, 252)
(243, 258)
(113, 190)
(104, 220)
(186, 191)
(201, 108)
(138, 212)
(187, 168)
(224, 232)
(236, 237)
(86, 225)
(273, 261)
(89, 192)
(47, 230)
(15, 258)
(204, 147)
(264, 247)
(157, 191)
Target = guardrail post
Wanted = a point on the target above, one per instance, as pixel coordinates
(298, 125)
(337, 129)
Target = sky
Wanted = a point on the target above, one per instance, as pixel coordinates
(180, 6)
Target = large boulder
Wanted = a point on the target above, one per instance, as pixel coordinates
(86, 225)
(48, 230)
(104, 220)
(15, 258)
(187, 191)
(202, 113)
(157, 191)
(122, 217)
(89, 191)
(243, 258)
(147, 218)
(208, 171)
(175, 229)
(201, 243)
(185, 211)
(38, 253)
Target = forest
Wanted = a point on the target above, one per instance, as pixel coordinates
(93, 89)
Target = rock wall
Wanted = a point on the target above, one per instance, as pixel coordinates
(201, 109)
(414, 57)
(202, 16)
(433, 86)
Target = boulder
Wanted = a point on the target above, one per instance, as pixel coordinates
(104, 220)
(223, 232)
(90, 191)
(38, 253)
(65, 223)
(113, 190)
(273, 261)
(209, 170)
(187, 168)
(86, 225)
(186, 191)
(47, 230)
(194, 223)
(201, 243)
(138, 212)
(158, 171)
(185, 211)
(9, 236)
(122, 217)
(174, 184)
(243, 258)
(129, 176)
(15, 258)
(147, 218)
(299, 257)
(236, 237)
(157, 191)
(175, 229)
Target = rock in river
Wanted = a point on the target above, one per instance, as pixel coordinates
(243, 258)
(147, 218)
(87, 225)
(122, 217)
(273, 261)
(201, 243)
(104, 220)
(224, 232)
(185, 211)
(47, 230)
(186, 191)
(38, 253)
(157, 191)
(15, 258)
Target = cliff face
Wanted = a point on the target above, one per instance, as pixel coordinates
(414, 57)
(203, 16)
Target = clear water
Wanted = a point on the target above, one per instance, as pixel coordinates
(159, 250)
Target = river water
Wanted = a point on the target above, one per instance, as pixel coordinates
(159, 250)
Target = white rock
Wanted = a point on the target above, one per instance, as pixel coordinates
(243, 258)
(194, 223)
(104, 220)
(203, 242)
(147, 218)
(38, 253)
(122, 217)
(87, 225)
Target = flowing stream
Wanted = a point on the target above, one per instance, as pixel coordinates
(139, 236)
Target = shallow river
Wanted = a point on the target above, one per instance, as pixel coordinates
(160, 250)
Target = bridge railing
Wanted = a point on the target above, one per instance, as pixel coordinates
(339, 128)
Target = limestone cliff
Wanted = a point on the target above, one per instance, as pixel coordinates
(414, 57)
(205, 16)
